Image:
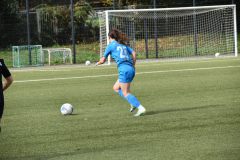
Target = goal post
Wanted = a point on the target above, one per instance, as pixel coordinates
(174, 33)
(235, 31)
(104, 30)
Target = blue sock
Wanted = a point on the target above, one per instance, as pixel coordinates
(120, 93)
(133, 100)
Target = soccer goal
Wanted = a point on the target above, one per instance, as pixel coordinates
(175, 33)
(57, 55)
(27, 55)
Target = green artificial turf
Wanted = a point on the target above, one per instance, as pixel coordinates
(193, 113)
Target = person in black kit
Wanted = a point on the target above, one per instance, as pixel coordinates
(3, 86)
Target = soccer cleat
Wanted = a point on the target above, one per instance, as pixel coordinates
(141, 111)
(132, 108)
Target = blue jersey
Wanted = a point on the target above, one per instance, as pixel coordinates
(122, 56)
(120, 53)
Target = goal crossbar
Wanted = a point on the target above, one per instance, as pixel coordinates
(168, 9)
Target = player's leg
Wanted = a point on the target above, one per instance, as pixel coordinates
(130, 97)
(125, 77)
(117, 88)
(132, 108)
(132, 100)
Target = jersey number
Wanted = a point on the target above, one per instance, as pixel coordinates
(123, 53)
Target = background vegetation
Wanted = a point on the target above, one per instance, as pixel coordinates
(50, 22)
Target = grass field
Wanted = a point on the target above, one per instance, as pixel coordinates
(193, 113)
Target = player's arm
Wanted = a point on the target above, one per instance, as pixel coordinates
(7, 75)
(105, 55)
(134, 57)
(8, 81)
(101, 61)
(133, 53)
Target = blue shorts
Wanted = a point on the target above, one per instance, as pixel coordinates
(126, 73)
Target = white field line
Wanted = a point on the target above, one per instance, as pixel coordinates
(113, 65)
(138, 73)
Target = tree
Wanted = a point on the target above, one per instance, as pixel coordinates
(59, 22)
(8, 20)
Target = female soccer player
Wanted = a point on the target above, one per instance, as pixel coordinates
(125, 57)
(8, 81)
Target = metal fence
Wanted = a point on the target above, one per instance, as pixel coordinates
(50, 26)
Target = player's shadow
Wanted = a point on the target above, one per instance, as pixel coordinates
(149, 113)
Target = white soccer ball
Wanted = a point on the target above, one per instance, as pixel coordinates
(66, 109)
(87, 63)
(217, 54)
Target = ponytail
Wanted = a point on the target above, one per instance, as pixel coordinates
(119, 36)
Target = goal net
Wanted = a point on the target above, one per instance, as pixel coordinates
(28, 55)
(57, 55)
(181, 33)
